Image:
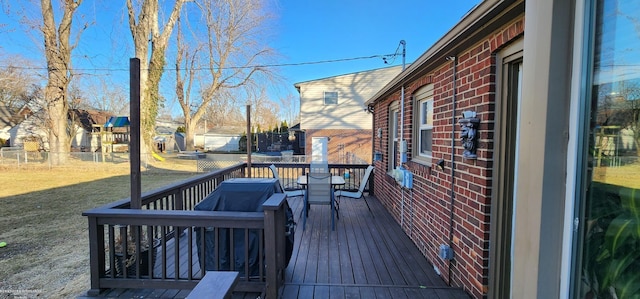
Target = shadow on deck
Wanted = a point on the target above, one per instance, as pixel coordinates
(367, 256)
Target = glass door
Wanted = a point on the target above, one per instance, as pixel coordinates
(607, 259)
(506, 148)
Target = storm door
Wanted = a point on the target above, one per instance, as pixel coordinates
(509, 84)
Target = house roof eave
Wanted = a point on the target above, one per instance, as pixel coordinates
(298, 85)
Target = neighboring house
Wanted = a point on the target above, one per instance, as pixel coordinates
(499, 121)
(225, 139)
(86, 126)
(30, 129)
(6, 122)
(167, 139)
(167, 127)
(334, 107)
(85, 121)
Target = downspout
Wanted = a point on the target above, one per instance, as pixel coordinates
(453, 148)
(402, 145)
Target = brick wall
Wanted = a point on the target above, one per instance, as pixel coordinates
(343, 144)
(427, 213)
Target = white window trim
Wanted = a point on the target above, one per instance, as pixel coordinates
(422, 95)
(393, 136)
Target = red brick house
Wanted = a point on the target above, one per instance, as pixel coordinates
(457, 74)
(495, 126)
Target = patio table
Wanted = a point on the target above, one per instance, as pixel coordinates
(336, 180)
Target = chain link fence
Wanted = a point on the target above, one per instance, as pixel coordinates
(19, 158)
(14, 157)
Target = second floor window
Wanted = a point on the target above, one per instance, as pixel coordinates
(331, 98)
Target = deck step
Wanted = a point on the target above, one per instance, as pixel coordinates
(215, 284)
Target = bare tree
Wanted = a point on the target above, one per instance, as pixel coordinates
(74, 118)
(109, 97)
(150, 44)
(185, 59)
(17, 86)
(228, 108)
(291, 111)
(57, 52)
(264, 111)
(233, 49)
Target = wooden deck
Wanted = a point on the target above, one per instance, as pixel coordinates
(367, 256)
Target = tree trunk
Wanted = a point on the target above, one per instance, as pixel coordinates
(145, 27)
(57, 111)
(189, 134)
(58, 55)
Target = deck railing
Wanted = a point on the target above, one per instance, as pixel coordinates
(176, 231)
(289, 173)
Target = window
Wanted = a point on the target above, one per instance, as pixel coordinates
(394, 112)
(423, 99)
(607, 261)
(426, 126)
(331, 98)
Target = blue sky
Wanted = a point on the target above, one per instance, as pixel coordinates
(303, 32)
(334, 29)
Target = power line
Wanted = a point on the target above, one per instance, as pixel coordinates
(382, 56)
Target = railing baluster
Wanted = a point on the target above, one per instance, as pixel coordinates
(124, 239)
(164, 252)
(203, 253)
(137, 232)
(190, 253)
(112, 255)
(232, 250)
(176, 255)
(261, 254)
(246, 253)
(152, 250)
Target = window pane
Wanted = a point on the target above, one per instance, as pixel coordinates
(394, 125)
(426, 112)
(609, 260)
(423, 112)
(425, 141)
(430, 113)
(330, 98)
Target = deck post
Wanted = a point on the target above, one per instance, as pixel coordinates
(96, 255)
(249, 140)
(134, 126)
(179, 199)
(274, 243)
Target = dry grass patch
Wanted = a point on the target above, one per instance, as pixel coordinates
(41, 221)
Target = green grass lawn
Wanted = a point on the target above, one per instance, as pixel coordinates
(41, 221)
